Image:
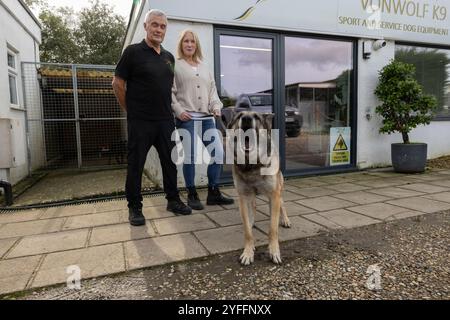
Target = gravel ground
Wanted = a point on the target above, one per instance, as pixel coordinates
(412, 255)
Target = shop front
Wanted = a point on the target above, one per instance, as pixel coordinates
(315, 66)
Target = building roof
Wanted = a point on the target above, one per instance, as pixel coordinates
(24, 5)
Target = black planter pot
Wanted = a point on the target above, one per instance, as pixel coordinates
(409, 158)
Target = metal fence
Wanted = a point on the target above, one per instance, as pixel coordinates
(73, 118)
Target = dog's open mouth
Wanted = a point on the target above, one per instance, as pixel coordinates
(248, 143)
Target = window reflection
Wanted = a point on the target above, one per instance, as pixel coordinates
(432, 72)
(246, 79)
(317, 77)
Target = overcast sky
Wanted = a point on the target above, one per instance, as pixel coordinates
(122, 7)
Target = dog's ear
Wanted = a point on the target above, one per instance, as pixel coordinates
(267, 120)
(235, 119)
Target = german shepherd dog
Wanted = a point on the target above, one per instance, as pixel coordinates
(262, 176)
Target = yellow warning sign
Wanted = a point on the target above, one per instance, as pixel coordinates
(340, 144)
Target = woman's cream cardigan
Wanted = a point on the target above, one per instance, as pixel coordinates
(194, 90)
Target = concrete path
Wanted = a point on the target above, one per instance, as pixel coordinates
(37, 247)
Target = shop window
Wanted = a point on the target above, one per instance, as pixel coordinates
(432, 72)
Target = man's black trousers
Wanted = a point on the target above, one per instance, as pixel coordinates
(142, 135)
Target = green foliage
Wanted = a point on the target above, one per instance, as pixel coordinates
(93, 36)
(404, 105)
(100, 34)
(35, 3)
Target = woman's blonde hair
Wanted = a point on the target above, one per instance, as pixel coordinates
(198, 56)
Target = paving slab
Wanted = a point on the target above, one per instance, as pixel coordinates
(235, 205)
(68, 211)
(424, 187)
(305, 182)
(428, 177)
(379, 211)
(420, 204)
(441, 183)
(290, 196)
(325, 203)
(341, 217)
(227, 239)
(404, 214)
(383, 182)
(20, 229)
(92, 262)
(292, 209)
(335, 179)
(316, 192)
(232, 217)
(20, 216)
(443, 196)
(120, 233)
(361, 197)
(15, 273)
(395, 192)
(183, 224)
(92, 220)
(45, 243)
(347, 187)
(114, 205)
(162, 250)
(318, 219)
(6, 244)
(300, 228)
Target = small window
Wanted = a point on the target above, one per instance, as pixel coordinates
(11, 60)
(12, 78)
(13, 90)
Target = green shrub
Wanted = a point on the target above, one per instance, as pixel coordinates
(404, 105)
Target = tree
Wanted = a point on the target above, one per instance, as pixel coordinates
(100, 34)
(36, 3)
(404, 105)
(93, 36)
(58, 42)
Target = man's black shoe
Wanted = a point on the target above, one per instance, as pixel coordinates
(178, 207)
(216, 197)
(193, 200)
(136, 217)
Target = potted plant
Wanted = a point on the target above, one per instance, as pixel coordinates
(404, 107)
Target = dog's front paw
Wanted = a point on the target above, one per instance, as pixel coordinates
(247, 256)
(285, 223)
(275, 255)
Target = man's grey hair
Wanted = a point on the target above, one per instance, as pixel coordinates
(154, 12)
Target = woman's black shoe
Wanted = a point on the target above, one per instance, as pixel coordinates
(193, 200)
(216, 197)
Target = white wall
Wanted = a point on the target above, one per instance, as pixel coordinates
(24, 37)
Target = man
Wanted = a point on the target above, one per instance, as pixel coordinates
(143, 86)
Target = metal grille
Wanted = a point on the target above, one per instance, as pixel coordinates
(73, 118)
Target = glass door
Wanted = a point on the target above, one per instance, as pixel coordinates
(317, 103)
(246, 75)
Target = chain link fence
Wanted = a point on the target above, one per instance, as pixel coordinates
(73, 118)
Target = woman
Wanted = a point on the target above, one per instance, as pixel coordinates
(195, 103)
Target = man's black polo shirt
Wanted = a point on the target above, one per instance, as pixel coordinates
(149, 78)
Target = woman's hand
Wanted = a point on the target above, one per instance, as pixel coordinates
(185, 116)
(216, 113)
